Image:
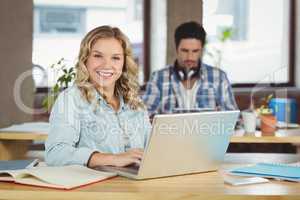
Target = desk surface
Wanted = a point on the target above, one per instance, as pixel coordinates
(22, 136)
(281, 136)
(197, 186)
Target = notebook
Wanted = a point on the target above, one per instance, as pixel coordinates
(17, 164)
(270, 170)
(63, 177)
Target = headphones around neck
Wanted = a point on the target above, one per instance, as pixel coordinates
(184, 73)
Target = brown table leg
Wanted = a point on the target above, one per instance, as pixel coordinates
(298, 149)
(13, 149)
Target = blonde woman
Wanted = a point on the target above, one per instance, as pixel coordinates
(100, 120)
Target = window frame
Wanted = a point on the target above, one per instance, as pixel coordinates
(147, 42)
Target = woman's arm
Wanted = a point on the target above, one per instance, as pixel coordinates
(64, 133)
(129, 157)
(120, 160)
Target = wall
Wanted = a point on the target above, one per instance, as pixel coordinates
(179, 11)
(297, 71)
(158, 33)
(15, 56)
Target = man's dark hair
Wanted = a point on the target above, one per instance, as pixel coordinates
(191, 30)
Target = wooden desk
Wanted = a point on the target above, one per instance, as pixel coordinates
(281, 136)
(15, 145)
(198, 186)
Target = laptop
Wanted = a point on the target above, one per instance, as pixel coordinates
(183, 143)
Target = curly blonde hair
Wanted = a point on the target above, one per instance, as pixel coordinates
(126, 86)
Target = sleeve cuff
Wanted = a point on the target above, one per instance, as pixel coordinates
(84, 155)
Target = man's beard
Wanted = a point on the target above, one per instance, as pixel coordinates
(189, 64)
(186, 73)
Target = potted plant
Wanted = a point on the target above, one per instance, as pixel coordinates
(64, 80)
(268, 121)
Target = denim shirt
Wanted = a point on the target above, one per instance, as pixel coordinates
(78, 128)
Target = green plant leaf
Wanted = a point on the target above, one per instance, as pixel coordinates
(269, 98)
(49, 101)
(56, 88)
(61, 79)
(45, 103)
(65, 71)
(60, 61)
(226, 34)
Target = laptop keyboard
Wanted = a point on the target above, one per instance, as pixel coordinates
(132, 169)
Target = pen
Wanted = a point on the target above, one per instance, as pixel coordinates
(34, 163)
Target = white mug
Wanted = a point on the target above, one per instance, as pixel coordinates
(249, 119)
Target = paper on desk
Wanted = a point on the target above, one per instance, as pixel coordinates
(287, 125)
(236, 181)
(36, 127)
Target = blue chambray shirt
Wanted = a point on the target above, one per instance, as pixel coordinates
(78, 128)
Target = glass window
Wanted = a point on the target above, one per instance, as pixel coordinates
(59, 20)
(59, 27)
(257, 46)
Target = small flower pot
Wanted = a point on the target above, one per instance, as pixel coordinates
(268, 124)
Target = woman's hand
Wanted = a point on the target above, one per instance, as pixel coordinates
(132, 156)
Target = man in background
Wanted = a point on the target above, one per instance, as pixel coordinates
(188, 84)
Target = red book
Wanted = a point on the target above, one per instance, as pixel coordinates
(63, 177)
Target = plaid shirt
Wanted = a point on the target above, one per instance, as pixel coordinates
(163, 90)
